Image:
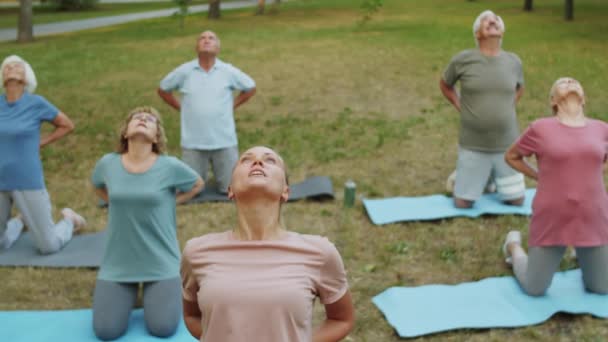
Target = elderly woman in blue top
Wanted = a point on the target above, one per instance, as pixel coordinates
(208, 130)
(21, 177)
(142, 187)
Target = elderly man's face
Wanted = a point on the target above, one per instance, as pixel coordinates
(490, 27)
(208, 43)
(14, 72)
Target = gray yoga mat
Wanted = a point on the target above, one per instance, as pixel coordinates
(318, 188)
(84, 250)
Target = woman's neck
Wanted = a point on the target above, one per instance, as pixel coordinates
(258, 220)
(139, 157)
(570, 112)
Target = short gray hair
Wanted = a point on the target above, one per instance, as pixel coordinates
(30, 77)
(482, 16)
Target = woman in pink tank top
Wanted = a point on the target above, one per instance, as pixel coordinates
(570, 207)
(259, 281)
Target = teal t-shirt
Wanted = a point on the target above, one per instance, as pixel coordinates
(142, 240)
(488, 85)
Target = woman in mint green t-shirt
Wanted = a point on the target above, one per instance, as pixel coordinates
(141, 186)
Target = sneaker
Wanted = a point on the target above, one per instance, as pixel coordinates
(79, 221)
(512, 236)
(449, 183)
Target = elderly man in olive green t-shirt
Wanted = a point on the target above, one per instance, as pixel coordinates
(491, 83)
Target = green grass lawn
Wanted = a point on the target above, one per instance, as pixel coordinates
(335, 99)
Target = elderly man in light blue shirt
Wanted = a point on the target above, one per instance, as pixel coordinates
(207, 104)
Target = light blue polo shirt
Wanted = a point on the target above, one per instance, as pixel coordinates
(142, 238)
(207, 121)
(20, 121)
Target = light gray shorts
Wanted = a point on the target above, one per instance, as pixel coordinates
(474, 169)
(221, 160)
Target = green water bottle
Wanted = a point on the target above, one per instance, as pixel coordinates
(350, 188)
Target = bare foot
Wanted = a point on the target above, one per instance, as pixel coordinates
(78, 221)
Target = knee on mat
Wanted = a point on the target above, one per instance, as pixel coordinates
(534, 292)
(598, 290)
(107, 332)
(162, 328)
(48, 248)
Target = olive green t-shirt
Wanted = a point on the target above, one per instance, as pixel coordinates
(488, 85)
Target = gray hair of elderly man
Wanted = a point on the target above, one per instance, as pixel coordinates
(482, 16)
(30, 78)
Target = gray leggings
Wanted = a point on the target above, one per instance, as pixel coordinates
(535, 272)
(35, 209)
(113, 302)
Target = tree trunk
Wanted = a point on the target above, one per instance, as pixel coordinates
(261, 7)
(24, 26)
(569, 10)
(528, 5)
(214, 9)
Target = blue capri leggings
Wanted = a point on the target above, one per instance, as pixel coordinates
(113, 302)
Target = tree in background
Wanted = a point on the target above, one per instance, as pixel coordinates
(369, 8)
(25, 22)
(214, 9)
(262, 6)
(183, 7)
(569, 10)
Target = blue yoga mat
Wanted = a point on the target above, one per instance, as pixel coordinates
(489, 303)
(397, 209)
(72, 326)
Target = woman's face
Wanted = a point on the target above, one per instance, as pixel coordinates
(260, 169)
(143, 124)
(564, 87)
(14, 72)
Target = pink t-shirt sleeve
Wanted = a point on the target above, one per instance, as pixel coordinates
(189, 282)
(528, 142)
(333, 284)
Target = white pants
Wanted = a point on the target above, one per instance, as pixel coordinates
(36, 214)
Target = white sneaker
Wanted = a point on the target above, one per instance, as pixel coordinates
(512, 236)
(79, 221)
(449, 183)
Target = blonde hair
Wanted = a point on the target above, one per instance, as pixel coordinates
(481, 17)
(158, 147)
(552, 93)
(30, 78)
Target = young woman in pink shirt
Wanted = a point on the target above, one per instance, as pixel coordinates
(571, 204)
(259, 281)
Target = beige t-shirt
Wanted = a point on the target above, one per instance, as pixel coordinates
(260, 290)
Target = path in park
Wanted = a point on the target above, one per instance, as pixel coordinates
(84, 24)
